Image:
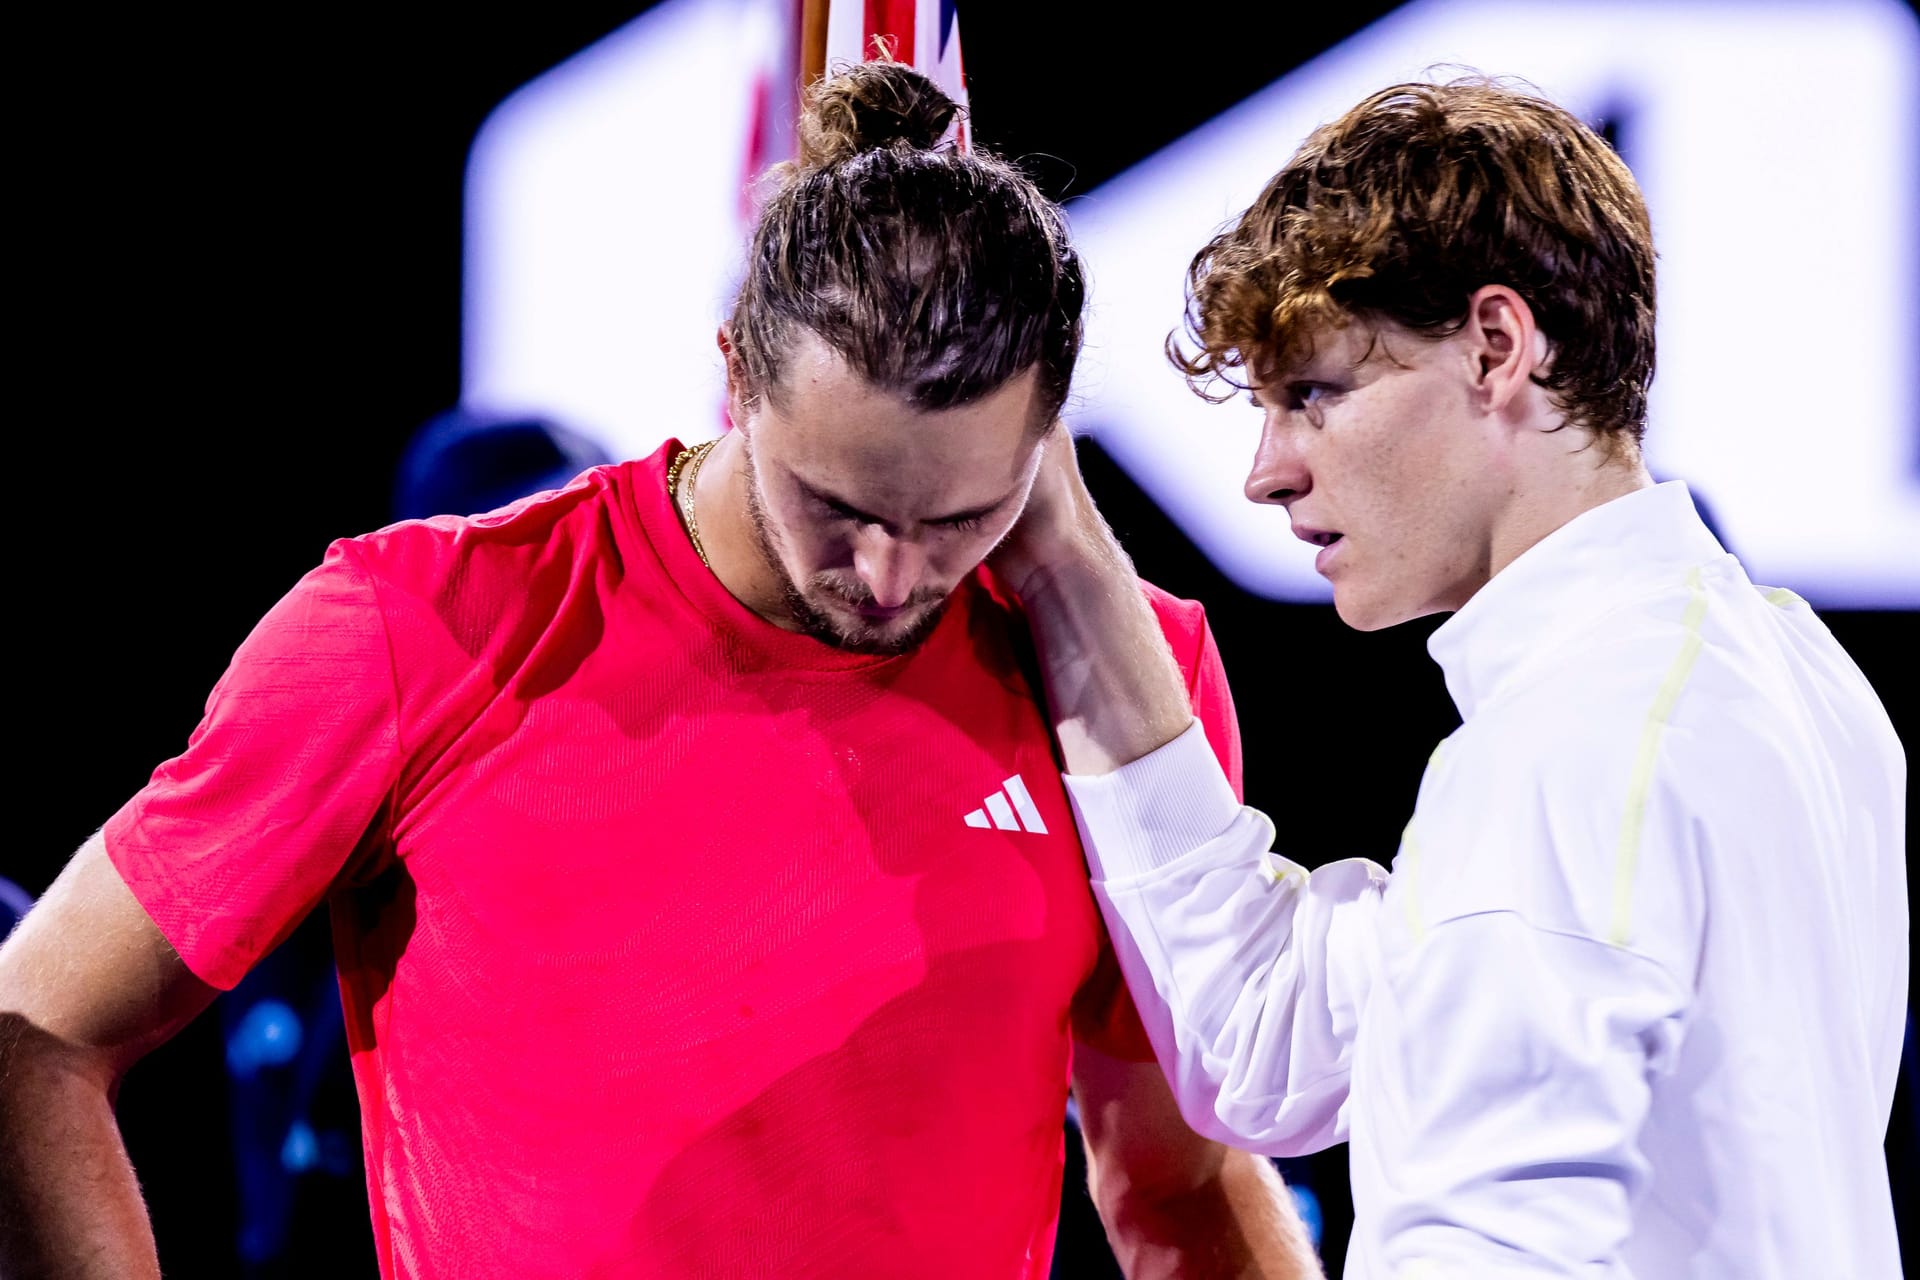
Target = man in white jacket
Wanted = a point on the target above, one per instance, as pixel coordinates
(1630, 1001)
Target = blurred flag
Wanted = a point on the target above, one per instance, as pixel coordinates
(774, 95)
(800, 40)
(924, 34)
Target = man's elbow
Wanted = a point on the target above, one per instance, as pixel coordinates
(1225, 1214)
(30, 1054)
(41, 1074)
(1139, 1180)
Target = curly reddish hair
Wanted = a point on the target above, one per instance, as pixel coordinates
(1407, 204)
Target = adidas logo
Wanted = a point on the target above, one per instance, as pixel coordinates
(1020, 815)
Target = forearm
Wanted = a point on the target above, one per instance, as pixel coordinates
(1240, 1222)
(1248, 970)
(70, 1208)
(1113, 687)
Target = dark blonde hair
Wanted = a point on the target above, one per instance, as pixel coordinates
(938, 275)
(1407, 204)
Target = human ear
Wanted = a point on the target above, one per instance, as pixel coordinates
(1506, 346)
(739, 398)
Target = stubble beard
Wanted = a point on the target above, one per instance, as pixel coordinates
(814, 621)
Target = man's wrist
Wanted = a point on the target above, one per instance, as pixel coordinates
(1153, 809)
(1064, 567)
(1114, 690)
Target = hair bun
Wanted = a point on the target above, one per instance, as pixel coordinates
(868, 107)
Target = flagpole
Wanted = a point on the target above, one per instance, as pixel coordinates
(813, 41)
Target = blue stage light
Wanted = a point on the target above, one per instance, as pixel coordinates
(268, 1036)
(301, 1151)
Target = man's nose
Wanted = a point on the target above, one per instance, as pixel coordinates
(1279, 473)
(890, 566)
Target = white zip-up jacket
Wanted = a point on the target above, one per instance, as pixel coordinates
(1630, 1002)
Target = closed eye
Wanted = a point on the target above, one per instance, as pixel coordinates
(964, 522)
(841, 511)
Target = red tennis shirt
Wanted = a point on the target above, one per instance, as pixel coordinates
(671, 943)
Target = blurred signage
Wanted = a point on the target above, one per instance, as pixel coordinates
(1778, 144)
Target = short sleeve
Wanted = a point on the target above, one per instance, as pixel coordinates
(1213, 707)
(1104, 1013)
(233, 842)
(1184, 623)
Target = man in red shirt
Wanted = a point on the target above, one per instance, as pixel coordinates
(705, 897)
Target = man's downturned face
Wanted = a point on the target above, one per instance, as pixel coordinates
(873, 511)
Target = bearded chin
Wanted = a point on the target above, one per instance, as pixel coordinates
(859, 637)
(809, 618)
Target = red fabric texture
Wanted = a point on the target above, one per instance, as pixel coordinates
(665, 947)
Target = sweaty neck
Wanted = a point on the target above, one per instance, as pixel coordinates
(734, 550)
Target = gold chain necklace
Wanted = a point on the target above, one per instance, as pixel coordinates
(689, 460)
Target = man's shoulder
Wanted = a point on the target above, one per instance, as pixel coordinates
(452, 591)
(540, 532)
(1181, 619)
(1585, 690)
(1714, 677)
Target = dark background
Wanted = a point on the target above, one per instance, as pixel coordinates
(240, 271)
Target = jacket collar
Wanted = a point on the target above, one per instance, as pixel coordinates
(1557, 588)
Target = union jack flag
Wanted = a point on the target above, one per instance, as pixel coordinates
(802, 40)
(807, 38)
(924, 34)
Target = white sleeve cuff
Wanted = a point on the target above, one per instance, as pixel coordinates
(1155, 810)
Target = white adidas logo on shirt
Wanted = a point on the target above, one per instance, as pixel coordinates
(1004, 814)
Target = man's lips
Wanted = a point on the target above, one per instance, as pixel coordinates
(1326, 539)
